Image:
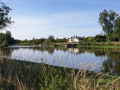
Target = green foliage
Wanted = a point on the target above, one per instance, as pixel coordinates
(46, 77)
(61, 40)
(46, 42)
(100, 38)
(51, 39)
(4, 43)
(6, 39)
(4, 19)
(89, 39)
(117, 28)
(106, 20)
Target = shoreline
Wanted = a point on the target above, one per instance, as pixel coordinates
(99, 46)
(78, 46)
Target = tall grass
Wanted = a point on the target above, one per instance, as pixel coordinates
(21, 75)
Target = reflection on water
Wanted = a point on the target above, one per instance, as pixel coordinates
(97, 59)
(73, 50)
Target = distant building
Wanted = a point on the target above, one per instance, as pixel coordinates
(75, 39)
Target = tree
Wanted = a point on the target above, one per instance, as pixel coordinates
(33, 40)
(100, 38)
(4, 43)
(6, 39)
(4, 19)
(106, 20)
(8, 36)
(1, 38)
(117, 28)
(51, 39)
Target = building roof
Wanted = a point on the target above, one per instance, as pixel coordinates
(77, 37)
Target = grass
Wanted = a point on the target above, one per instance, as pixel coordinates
(21, 75)
(100, 46)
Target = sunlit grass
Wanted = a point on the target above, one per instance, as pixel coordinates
(25, 75)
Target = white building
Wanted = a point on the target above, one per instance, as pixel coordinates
(75, 39)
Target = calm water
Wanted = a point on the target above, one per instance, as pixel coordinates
(93, 59)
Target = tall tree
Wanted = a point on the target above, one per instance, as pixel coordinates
(117, 28)
(51, 39)
(4, 19)
(106, 20)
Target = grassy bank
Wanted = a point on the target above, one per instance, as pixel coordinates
(99, 44)
(26, 75)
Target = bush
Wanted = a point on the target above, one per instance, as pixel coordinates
(4, 44)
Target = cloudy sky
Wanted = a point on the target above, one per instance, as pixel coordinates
(60, 18)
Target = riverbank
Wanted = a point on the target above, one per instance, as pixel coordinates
(99, 44)
(74, 45)
(79, 46)
(41, 45)
(27, 75)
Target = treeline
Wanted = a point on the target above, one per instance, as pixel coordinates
(6, 39)
(101, 38)
(110, 22)
(34, 41)
(97, 38)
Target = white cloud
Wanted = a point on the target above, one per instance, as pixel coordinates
(59, 25)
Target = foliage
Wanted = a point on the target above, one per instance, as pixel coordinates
(4, 19)
(117, 28)
(61, 40)
(100, 38)
(6, 39)
(89, 39)
(106, 20)
(51, 39)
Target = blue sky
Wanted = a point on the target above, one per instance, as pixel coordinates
(60, 18)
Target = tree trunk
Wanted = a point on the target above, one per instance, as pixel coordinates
(108, 38)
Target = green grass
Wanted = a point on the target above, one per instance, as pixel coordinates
(26, 75)
(101, 46)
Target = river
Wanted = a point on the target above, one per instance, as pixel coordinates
(93, 59)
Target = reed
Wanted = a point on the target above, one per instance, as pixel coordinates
(29, 76)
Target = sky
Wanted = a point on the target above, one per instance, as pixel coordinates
(60, 18)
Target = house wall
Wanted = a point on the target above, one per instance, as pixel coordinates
(70, 40)
(76, 40)
(73, 40)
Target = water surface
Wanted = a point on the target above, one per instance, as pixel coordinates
(93, 59)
